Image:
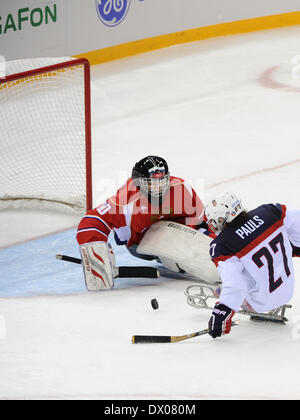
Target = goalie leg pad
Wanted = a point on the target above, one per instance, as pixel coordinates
(180, 248)
(98, 266)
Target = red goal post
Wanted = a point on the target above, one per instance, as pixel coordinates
(45, 141)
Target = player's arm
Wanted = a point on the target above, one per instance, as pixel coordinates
(95, 225)
(204, 228)
(291, 222)
(232, 296)
(191, 207)
(233, 291)
(234, 286)
(97, 256)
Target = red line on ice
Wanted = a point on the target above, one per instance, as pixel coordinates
(266, 80)
(258, 172)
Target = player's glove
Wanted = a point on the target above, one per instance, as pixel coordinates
(220, 320)
(98, 265)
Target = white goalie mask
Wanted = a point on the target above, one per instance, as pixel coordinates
(222, 209)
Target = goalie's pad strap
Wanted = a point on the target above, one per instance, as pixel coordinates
(98, 266)
(180, 248)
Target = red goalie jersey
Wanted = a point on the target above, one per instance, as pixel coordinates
(130, 214)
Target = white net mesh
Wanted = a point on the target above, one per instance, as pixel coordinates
(43, 138)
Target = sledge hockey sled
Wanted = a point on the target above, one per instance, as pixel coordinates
(198, 296)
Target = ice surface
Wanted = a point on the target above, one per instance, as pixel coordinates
(210, 110)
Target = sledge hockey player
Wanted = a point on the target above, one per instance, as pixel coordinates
(253, 254)
(149, 195)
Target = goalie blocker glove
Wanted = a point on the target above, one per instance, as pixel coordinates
(220, 320)
(98, 265)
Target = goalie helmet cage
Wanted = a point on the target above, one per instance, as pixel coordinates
(45, 121)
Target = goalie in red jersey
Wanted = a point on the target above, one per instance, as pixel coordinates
(148, 196)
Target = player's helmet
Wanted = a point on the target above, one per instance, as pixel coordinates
(151, 175)
(222, 209)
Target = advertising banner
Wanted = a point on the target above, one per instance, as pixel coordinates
(36, 28)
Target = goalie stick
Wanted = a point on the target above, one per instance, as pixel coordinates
(150, 339)
(123, 271)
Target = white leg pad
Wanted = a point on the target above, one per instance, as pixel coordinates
(179, 246)
(98, 266)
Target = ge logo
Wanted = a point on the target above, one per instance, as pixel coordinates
(112, 12)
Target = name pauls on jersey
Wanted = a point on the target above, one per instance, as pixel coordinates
(249, 227)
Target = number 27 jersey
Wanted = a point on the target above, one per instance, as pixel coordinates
(254, 259)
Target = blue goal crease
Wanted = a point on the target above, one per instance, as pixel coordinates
(31, 268)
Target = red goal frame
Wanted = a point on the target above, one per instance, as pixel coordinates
(87, 106)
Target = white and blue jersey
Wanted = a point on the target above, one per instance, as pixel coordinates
(254, 258)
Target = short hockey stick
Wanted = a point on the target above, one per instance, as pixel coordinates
(122, 272)
(142, 339)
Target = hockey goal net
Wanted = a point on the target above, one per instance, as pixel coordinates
(46, 134)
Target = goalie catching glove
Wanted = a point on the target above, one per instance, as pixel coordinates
(220, 320)
(99, 267)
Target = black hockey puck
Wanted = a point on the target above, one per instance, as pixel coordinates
(154, 304)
